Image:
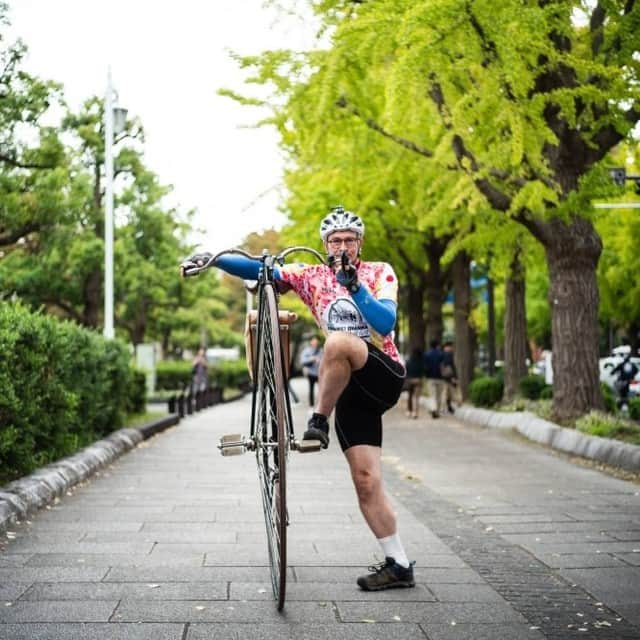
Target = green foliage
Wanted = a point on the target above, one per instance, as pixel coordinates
(546, 393)
(137, 397)
(173, 374)
(532, 386)
(610, 403)
(607, 426)
(486, 391)
(63, 387)
(634, 408)
(229, 374)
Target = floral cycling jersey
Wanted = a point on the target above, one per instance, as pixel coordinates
(332, 305)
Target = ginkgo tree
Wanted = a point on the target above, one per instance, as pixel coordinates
(530, 97)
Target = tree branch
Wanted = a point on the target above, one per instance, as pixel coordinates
(23, 165)
(12, 236)
(342, 103)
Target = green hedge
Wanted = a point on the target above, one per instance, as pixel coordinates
(175, 375)
(486, 391)
(62, 387)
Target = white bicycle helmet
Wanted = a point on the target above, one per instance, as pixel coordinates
(341, 220)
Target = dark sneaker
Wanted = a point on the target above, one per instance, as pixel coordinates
(318, 429)
(388, 575)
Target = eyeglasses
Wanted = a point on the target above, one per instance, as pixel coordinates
(336, 243)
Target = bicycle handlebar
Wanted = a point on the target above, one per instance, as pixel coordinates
(206, 260)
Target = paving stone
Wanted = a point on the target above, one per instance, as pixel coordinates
(114, 560)
(91, 631)
(328, 592)
(442, 612)
(50, 574)
(336, 631)
(211, 611)
(465, 593)
(621, 585)
(58, 611)
(130, 590)
(482, 632)
(188, 574)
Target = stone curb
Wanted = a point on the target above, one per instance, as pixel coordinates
(613, 452)
(22, 497)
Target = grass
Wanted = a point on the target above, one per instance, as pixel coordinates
(605, 425)
(596, 423)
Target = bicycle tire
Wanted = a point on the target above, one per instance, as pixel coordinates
(270, 432)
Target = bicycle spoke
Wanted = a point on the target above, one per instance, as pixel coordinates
(270, 431)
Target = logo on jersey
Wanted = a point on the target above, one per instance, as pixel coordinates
(343, 315)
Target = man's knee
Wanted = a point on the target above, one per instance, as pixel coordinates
(342, 346)
(367, 483)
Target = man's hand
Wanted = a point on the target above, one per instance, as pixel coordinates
(348, 276)
(193, 265)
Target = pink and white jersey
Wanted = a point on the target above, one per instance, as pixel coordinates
(331, 304)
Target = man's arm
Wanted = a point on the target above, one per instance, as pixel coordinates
(380, 314)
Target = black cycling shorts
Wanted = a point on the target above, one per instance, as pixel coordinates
(370, 392)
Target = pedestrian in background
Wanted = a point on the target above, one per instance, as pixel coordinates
(310, 361)
(433, 373)
(449, 375)
(413, 383)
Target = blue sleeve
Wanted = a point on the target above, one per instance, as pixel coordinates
(380, 314)
(243, 267)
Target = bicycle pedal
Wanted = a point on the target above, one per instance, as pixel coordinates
(308, 446)
(232, 444)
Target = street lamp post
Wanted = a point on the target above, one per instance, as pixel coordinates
(114, 121)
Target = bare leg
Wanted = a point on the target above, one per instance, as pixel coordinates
(343, 354)
(366, 472)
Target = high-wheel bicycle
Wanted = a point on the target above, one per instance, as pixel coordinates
(271, 433)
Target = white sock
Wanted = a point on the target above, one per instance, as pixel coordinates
(392, 548)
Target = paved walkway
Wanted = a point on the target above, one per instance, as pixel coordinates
(511, 542)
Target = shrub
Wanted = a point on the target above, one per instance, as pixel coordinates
(634, 408)
(62, 385)
(610, 403)
(173, 374)
(531, 386)
(486, 391)
(547, 392)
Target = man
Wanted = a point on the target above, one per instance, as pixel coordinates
(433, 373)
(354, 303)
(310, 361)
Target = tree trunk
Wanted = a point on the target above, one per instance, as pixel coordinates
(572, 252)
(92, 300)
(461, 271)
(415, 316)
(491, 327)
(515, 329)
(435, 289)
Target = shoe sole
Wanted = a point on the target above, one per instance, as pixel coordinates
(393, 585)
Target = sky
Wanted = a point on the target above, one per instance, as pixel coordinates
(167, 60)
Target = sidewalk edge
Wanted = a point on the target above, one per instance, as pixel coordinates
(612, 452)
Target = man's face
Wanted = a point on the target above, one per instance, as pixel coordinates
(340, 241)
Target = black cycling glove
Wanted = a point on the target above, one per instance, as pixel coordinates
(348, 275)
